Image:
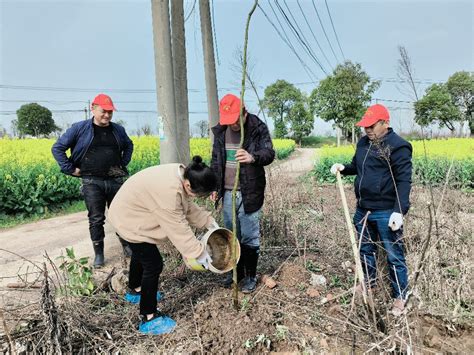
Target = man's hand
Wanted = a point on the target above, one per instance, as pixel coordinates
(213, 196)
(396, 221)
(77, 172)
(204, 259)
(336, 167)
(244, 157)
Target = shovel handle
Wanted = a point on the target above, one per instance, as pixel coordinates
(350, 228)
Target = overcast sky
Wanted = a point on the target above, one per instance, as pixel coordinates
(75, 49)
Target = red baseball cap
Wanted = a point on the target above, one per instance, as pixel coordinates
(104, 101)
(374, 114)
(229, 109)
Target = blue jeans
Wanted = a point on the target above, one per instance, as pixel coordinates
(98, 193)
(377, 229)
(248, 224)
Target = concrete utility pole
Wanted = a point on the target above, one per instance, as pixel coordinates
(209, 64)
(180, 79)
(165, 91)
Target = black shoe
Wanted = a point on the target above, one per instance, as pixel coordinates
(249, 284)
(99, 261)
(127, 251)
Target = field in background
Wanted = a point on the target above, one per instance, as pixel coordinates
(31, 182)
(317, 141)
(431, 168)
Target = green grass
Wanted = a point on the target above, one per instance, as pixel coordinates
(9, 221)
(317, 141)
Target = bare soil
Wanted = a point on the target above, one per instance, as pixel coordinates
(303, 236)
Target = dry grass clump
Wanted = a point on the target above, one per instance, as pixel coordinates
(311, 218)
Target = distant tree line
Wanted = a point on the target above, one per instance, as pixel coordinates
(343, 96)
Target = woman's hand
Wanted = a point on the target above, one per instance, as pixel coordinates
(204, 259)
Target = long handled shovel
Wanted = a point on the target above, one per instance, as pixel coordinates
(355, 249)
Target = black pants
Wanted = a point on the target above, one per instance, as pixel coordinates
(146, 265)
(98, 193)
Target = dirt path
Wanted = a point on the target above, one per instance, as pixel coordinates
(23, 245)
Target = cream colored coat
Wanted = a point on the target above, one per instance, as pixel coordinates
(152, 205)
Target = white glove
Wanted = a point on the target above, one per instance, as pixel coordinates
(213, 226)
(204, 259)
(336, 167)
(396, 221)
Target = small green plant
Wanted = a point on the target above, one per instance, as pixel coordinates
(78, 274)
(335, 281)
(315, 318)
(345, 299)
(245, 305)
(311, 266)
(453, 272)
(249, 344)
(301, 286)
(281, 332)
(259, 339)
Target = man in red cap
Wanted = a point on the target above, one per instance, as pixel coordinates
(100, 153)
(383, 166)
(256, 152)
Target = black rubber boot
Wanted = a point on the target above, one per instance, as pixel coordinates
(250, 282)
(99, 254)
(127, 251)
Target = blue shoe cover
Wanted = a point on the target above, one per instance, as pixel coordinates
(132, 298)
(157, 326)
(135, 298)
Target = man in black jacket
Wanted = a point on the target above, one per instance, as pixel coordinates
(256, 152)
(100, 153)
(383, 167)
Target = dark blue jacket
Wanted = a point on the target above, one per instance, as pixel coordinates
(374, 163)
(257, 141)
(79, 137)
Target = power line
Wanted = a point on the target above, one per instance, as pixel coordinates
(417, 81)
(48, 88)
(213, 25)
(288, 41)
(52, 111)
(324, 31)
(7, 113)
(303, 64)
(314, 36)
(190, 12)
(65, 89)
(59, 102)
(390, 100)
(334, 29)
(300, 35)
